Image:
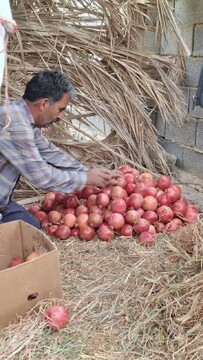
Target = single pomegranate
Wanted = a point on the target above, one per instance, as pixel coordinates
(48, 205)
(135, 201)
(159, 226)
(141, 188)
(104, 232)
(121, 181)
(87, 191)
(163, 182)
(70, 201)
(33, 255)
(54, 217)
(16, 260)
(116, 221)
(131, 216)
(57, 317)
(59, 197)
(173, 225)
(41, 215)
(91, 200)
(126, 230)
(102, 200)
(151, 216)
(75, 232)
(81, 209)
(34, 208)
(191, 214)
(62, 232)
(82, 220)
(124, 169)
(179, 208)
(86, 233)
(165, 214)
(147, 239)
(118, 192)
(118, 206)
(51, 195)
(130, 188)
(52, 229)
(69, 220)
(141, 225)
(95, 220)
(149, 203)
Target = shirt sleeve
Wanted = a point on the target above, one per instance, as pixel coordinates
(21, 150)
(54, 155)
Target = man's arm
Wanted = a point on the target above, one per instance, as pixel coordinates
(54, 155)
(20, 150)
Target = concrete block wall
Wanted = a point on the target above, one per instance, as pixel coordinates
(185, 142)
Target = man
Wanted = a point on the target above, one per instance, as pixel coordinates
(25, 151)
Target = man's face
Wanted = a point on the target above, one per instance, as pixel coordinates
(51, 113)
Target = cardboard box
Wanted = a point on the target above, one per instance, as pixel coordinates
(23, 286)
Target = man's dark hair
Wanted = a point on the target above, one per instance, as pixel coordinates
(51, 84)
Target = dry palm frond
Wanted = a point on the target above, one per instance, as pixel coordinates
(100, 46)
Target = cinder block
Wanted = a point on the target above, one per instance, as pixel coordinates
(153, 117)
(193, 161)
(160, 124)
(186, 93)
(174, 149)
(170, 43)
(184, 135)
(199, 135)
(193, 69)
(198, 40)
(151, 43)
(152, 16)
(197, 111)
(189, 11)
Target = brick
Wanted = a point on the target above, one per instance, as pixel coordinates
(199, 135)
(198, 40)
(193, 161)
(170, 43)
(174, 149)
(196, 112)
(184, 135)
(192, 71)
(189, 11)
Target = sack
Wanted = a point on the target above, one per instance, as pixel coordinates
(198, 98)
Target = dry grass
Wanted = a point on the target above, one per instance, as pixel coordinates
(126, 302)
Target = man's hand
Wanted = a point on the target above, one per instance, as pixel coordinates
(102, 177)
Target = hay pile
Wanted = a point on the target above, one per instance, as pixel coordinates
(126, 303)
(99, 44)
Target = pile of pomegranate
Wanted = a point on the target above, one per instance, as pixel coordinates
(137, 206)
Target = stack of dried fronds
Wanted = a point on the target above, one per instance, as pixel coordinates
(126, 303)
(99, 44)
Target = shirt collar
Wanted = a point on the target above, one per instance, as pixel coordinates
(22, 103)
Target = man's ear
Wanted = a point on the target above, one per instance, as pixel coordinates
(43, 104)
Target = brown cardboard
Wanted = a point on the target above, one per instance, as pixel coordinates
(40, 277)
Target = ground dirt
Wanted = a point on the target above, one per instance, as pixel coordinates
(191, 187)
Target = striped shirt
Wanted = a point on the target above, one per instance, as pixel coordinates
(25, 151)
